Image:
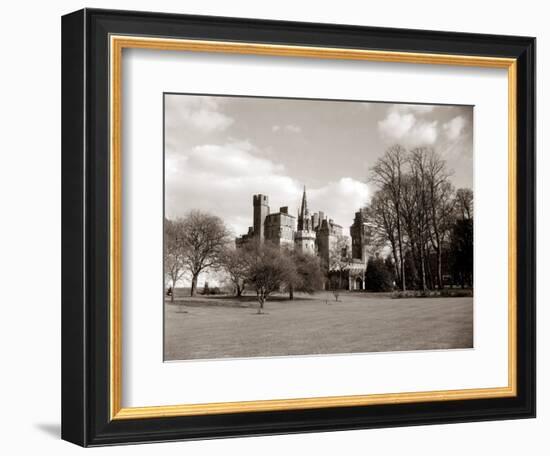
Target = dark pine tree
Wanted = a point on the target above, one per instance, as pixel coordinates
(462, 252)
(378, 276)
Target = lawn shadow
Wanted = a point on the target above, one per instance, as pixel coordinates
(252, 298)
(246, 301)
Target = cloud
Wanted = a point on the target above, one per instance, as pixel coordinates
(199, 113)
(288, 128)
(221, 179)
(293, 128)
(404, 124)
(340, 200)
(424, 133)
(396, 125)
(231, 159)
(454, 128)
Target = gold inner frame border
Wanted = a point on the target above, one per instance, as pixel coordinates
(116, 46)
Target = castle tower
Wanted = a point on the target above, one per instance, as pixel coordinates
(360, 237)
(261, 211)
(305, 236)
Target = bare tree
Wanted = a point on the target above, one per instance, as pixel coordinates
(440, 199)
(174, 267)
(410, 209)
(235, 263)
(204, 238)
(464, 203)
(413, 213)
(381, 215)
(388, 174)
(418, 213)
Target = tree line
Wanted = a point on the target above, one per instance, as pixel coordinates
(418, 215)
(200, 241)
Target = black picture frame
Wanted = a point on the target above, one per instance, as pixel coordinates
(85, 227)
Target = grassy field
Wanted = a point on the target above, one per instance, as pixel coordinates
(226, 327)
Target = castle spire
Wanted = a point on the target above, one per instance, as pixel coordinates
(305, 236)
(303, 210)
(304, 222)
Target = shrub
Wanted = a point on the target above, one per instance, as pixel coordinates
(445, 293)
(378, 277)
(207, 290)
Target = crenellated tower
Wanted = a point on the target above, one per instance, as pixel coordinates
(261, 211)
(360, 236)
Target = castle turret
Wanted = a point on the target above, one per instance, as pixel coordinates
(261, 211)
(360, 236)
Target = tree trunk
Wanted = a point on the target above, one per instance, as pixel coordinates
(395, 264)
(416, 265)
(400, 243)
(423, 268)
(173, 292)
(401, 261)
(439, 273)
(291, 293)
(194, 284)
(429, 273)
(261, 301)
(438, 240)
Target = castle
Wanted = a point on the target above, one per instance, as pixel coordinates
(313, 234)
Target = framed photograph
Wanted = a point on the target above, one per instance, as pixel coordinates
(278, 227)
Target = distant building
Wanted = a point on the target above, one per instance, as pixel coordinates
(280, 227)
(312, 234)
(360, 238)
(261, 211)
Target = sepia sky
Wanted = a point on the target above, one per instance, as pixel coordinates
(219, 151)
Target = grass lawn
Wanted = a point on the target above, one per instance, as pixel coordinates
(226, 327)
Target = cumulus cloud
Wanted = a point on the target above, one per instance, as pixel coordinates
(233, 159)
(221, 179)
(200, 113)
(340, 200)
(454, 128)
(407, 128)
(396, 124)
